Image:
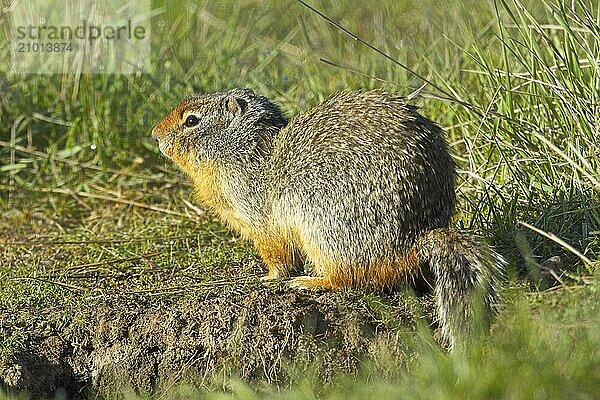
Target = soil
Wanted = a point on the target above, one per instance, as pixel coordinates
(144, 344)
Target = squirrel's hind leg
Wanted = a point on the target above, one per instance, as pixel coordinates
(312, 283)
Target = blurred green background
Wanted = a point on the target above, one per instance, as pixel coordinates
(515, 85)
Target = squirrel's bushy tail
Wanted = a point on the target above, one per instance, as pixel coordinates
(466, 276)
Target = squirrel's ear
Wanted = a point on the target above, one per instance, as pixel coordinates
(236, 105)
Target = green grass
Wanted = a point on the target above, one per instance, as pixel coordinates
(516, 86)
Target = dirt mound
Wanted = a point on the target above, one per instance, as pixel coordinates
(141, 343)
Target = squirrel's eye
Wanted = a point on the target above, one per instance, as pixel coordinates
(191, 121)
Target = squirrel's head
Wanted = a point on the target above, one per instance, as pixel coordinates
(235, 126)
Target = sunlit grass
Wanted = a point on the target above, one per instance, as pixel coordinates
(516, 87)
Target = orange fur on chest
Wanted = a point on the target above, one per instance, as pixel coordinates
(209, 191)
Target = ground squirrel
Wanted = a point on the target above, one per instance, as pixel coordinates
(360, 186)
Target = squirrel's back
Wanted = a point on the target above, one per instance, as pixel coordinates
(361, 176)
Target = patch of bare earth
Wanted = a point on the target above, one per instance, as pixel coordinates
(142, 344)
